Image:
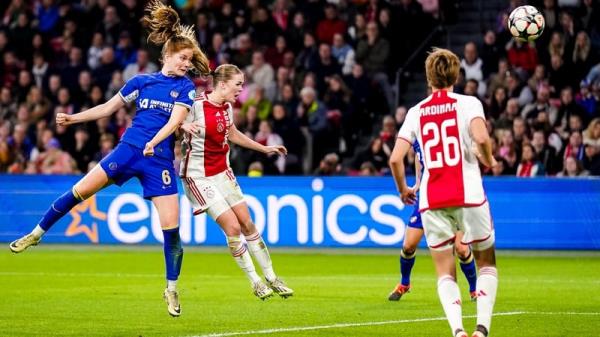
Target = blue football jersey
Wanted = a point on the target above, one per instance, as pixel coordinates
(419, 155)
(155, 95)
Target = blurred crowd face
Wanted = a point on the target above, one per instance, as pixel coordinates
(338, 40)
(575, 139)
(470, 52)
(571, 166)
(538, 140)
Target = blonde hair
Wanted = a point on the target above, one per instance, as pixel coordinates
(441, 67)
(224, 73)
(164, 28)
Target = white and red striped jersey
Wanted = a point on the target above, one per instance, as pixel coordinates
(451, 176)
(206, 153)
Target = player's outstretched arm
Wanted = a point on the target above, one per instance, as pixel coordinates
(482, 140)
(177, 117)
(238, 138)
(97, 112)
(397, 167)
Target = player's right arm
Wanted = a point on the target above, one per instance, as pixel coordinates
(97, 112)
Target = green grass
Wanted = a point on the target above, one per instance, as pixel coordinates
(113, 291)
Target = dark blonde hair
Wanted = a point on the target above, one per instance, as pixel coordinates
(164, 28)
(441, 67)
(224, 73)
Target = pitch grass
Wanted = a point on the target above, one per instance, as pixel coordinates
(117, 291)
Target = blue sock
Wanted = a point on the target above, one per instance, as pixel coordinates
(468, 268)
(407, 261)
(59, 207)
(173, 253)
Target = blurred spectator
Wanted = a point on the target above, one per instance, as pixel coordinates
(260, 72)
(572, 168)
(591, 135)
(373, 153)
(330, 25)
(490, 54)
(574, 147)
(522, 56)
(591, 159)
(125, 51)
(142, 65)
(542, 104)
(255, 170)
(473, 67)
(368, 169)
(275, 54)
(259, 101)
(529, 165)
(329, 166)
(54, 160)
(546, 154)
(343, 53)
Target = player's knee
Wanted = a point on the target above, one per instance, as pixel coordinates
(484, 244)
(408, 252)
(248, 227)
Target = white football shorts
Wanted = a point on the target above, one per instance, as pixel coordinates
(441, 225)
(213, 195)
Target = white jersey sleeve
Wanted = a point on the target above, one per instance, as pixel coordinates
(409, 128)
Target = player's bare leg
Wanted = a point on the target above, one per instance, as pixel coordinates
(487, 286)
(412, 237)
(168, 213)
(91, 183)
(448, 291)
(259, 250)
(230, 225)
(467, 264)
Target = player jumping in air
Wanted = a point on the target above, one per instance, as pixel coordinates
(451, 130)
(146, 150)
(209, 182)
(414, 233)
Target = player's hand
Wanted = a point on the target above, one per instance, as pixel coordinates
(62, 119)
(191, 128)
(409, 196)
(149, 150)
(276, 149)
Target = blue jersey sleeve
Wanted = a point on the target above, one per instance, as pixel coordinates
(131, 90)
(186, 94)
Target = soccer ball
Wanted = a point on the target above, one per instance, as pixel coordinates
(526, 23)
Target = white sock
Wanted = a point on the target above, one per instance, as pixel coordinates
(450, 298)
(38, 231)
(242, 258)
(259, 250)
(487, 286)
(171, 285)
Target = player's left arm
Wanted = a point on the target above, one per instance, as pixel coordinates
(397, 167)
(177, 117)
(417, 175)
(239, 138)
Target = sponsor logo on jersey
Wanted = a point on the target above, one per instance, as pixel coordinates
(192, 94)
(220, 127)
(218, 114)
(174, 94)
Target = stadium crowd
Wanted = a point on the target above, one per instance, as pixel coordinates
(319, 80)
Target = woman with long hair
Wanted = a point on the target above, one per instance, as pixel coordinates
(145, 151)
(210, 184)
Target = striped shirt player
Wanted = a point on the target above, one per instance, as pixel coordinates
(208, 180)
(451, 186)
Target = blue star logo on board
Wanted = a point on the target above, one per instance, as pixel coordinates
(78, 213)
